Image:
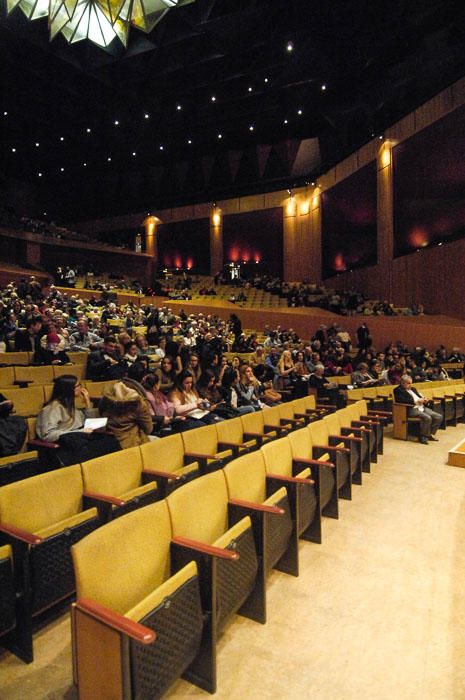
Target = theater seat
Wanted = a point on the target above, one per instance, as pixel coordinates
(167, 456)
(340, 434)
(116, 487)
(340, 454)
(253, 425)
(137, 623)
(230, 435)
(201, 446)
(42, 517)
(249, 491)
(302, 490)
(17, 467)
(34, 375)
(199, 513)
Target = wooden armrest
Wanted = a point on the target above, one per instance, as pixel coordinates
(19, 534)
(326, 405)
(113, 500)
(257, 506)
(203, 548)
(43, 443)
(333, 448)
(375, 412)
(162, 475)
(305, 460)
(286, 421)
(347, 437)
(365, 422)
(224, 443)
(253, 435)
(291, 479)
(199, 455)
(270, 428)
(118, 622)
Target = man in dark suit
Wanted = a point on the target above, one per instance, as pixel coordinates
(429, 420)
(28, 340)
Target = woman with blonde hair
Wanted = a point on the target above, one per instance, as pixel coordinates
(286, 369)
(249, 388)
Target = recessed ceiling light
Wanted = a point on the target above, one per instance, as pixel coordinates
(161, 148)
(213, 98)
(323, 87)
(5, 114)
(289, 46)
(116, 122)
(146, 116)
(39, 174)
(285, 121)
(88, 130)
(220, 136)
(250, 88)
(62, 138)
(134, 153)
(44, 213)
(13, 150)
(251, 127)
(299, 112)
(85, 165)
(179, 107)
(62, 170)
(109, 159)
(37, 144)
(189, 141)
(266, 80)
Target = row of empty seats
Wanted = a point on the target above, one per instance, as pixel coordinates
(41, 517)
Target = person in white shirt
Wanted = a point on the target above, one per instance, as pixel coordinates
(430, 420)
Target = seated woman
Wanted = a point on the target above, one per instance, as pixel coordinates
(128, 413)
(193, 366)
(62, 421)
(286, 370)
(186, 396)
(167, 374)
(248, 388)
(132, 355)
(166, 416)
(209, 391)
(230, 393)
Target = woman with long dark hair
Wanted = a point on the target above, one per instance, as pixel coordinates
(60, 415)
(185, 397)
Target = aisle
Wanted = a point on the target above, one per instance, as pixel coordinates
(377, 612)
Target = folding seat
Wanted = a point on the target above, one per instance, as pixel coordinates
(323, 470)
(273, 420)
(166, 456)
(231, 436)
(116, 487)
(341, 453)
(385, 392)
(7, 376)
(305, 408)
(288, 417)
(448, 403)
(41, 518)
(311, 405)
(254, 428)
(34, 375)
(372, 419)
(458, 390)
(201, 446)
(7, 591)
(27, 402)
(373, 400)
(250, 491)
(78, 358)
(350, 423)
(302, 491)
(17, 467)
(339, 427)
(96, 389)
(137, 623)
(202, 517)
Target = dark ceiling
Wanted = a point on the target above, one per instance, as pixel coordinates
(377, 61)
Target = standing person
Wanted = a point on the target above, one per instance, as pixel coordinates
(363, 337)
(429, 420)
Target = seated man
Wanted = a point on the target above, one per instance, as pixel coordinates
(106, 363)
(324, 388)
(429, 420)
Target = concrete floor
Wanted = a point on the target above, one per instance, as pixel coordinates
(377, 612)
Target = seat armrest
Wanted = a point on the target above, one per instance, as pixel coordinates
(43, 443)
(203, 548)
(167, 476)
(290, 479)
(18, 534)
(311, 462)
(118, 622)
(332, 448)
(111, 500)
(198, 455)
(349, 437)
(260, 507)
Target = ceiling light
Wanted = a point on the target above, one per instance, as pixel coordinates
(99, 21)
(39, 174)
(62, 170)
(289, 46)
(220, 136)
(116, 122)
(213, 98)
(5, 114)
(88, 130)
(251, 127)
(299, 112)
(250, 88)
(146, 116)
(85, 165)
(266, 80)
(134, 153)
(323, 87)
(109, 159)
(285, 121)
(62, 138)
(179, 107)
(37, 144)
(13, 150)
(189, 141)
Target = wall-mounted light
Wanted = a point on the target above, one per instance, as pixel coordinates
(216, 217)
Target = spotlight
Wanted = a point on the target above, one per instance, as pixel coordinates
(289, 46)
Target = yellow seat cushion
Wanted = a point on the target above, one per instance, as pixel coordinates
(6, 552)
(164, 455)
(41, 501)
(139, 491)
(276, 497)
(233, 533)
(113, 474)
(67, 524)
(199, 510)
(164, 590)
(278, 457)
(122, 563)
(246, 477)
